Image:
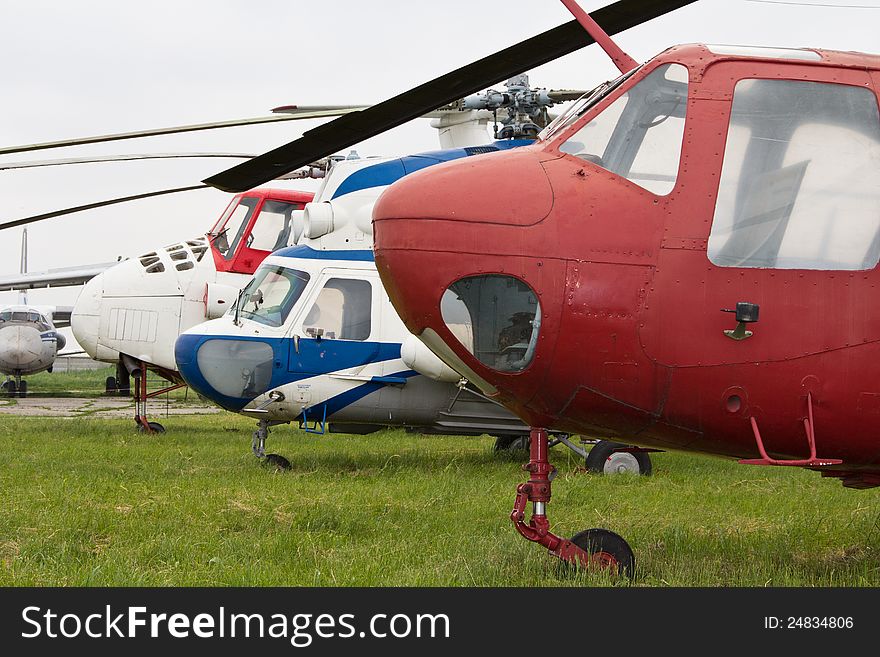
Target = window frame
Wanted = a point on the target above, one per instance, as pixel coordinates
(320, 282)
(558, 139)
(789, 73)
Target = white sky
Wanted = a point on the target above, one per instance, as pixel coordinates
(84, 67)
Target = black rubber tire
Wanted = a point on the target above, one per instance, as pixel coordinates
(512, 443)
(277, 461)
(22, 389)
(110, 385)
(11, 389)
(616, 549)
(155, 427)
(601, 451)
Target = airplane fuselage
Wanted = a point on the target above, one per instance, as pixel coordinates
(28, 341)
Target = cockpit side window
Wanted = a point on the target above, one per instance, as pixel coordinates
(271, 294)
(639, 136)
(342, 310)
(229, 234)
(273, 227)
(800, 182)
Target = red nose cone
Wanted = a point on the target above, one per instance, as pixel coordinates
(478, 219)
(469, 209)
(484, 189)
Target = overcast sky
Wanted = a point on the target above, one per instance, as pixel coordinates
(85, 67)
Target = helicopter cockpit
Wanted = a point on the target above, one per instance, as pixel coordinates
(639, 135)
(270, 295)
(254, 225)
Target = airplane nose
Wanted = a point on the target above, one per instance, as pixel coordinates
(20, 346)
(85, 318)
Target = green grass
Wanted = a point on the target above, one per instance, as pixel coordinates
(88, 383)
(89, 502)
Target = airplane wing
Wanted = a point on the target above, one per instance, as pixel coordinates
(52, 278)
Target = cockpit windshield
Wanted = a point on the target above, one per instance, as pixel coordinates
(579, 107)
(231, 226)
(639, 136)
(39, 320)
(270, 295)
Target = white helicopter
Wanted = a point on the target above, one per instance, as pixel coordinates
(314, 339)
(29, 341)
(130, 313)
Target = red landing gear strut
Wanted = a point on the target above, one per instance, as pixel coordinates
(589, 549)
(140, 400)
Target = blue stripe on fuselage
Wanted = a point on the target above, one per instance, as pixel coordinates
(308, 253)
(314, 358)
(340, 401)
(385, 173)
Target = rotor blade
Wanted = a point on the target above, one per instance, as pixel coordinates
(563, 95)
(91, 206)
(356, 127)
(303, 114)
(117, 158)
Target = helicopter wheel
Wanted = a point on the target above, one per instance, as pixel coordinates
(604, 458)
(10, 387)
(511, 443)
(155, 427)
(110, 385)
(277, 461)
(607, 550)
(22, 389)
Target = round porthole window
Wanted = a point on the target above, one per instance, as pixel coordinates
(497, 318)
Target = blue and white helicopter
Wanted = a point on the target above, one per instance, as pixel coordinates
(314, 339)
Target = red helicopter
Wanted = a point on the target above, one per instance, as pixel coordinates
(687, 258)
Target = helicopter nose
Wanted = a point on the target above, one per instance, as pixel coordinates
(20, 346)
(230, 372)
(459, 249)
(85, 318)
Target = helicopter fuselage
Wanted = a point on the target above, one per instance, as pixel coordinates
(594, 266)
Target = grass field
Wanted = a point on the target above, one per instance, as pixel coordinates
(88, 383)
(89, 502)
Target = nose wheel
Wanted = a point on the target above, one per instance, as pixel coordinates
(258, 447)
(10, 388)
(607, 549)
(16, 387)
(592, 548)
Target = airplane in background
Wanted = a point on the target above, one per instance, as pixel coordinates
(29, 340)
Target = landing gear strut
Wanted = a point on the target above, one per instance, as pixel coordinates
(258, 447)
(119, 384)
(589, 549)
(15, 387)
(138, 370)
